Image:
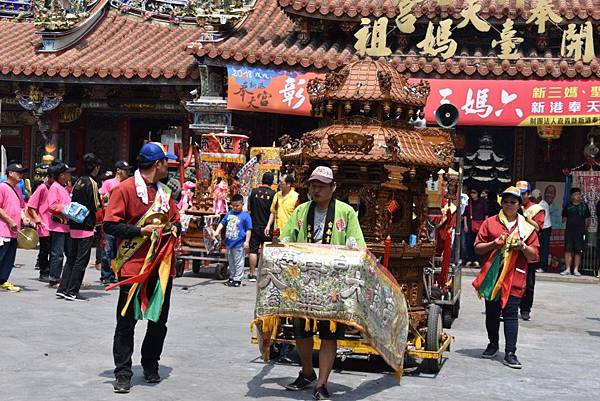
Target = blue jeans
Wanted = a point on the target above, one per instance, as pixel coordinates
(108, 254)
(8, 253)
(236, 259)
(60, 246)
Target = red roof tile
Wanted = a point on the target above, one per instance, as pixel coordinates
(568, 9)
(267, 37)
(119, 47)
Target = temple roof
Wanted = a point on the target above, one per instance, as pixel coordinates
(119, 47)
(499, 9)
(268, 37)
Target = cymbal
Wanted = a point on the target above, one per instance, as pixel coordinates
(27, 238)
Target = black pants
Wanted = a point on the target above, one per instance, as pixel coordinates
(527, 300)
(44, 256)
(77, 262)
(155, 333)
(545, 235)
(511, 322)
(60, 246)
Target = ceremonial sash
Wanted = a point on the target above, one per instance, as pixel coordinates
(532, 210)
(494, 281)
(327, 227)
(127, 248)
(158, 259)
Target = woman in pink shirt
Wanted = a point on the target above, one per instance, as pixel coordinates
(58, 197)
(11, 206)
(38, 208)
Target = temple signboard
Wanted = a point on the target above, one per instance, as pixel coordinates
(481, 102)
(577, 41)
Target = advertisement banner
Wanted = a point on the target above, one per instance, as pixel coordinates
(268, 91)
(480, 102)
(517, 103)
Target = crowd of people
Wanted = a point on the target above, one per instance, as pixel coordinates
(512, 230)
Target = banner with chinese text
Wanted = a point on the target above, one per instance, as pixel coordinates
(480, 102)
(268, 91)
(517, 103)
(224, 148)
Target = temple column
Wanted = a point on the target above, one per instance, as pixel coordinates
(125, 138)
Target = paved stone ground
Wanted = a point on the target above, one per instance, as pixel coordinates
(53, 349)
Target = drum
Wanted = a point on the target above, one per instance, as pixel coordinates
(27, 238)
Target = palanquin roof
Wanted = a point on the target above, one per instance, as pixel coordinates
(269, 36)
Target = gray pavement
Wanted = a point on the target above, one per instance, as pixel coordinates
(53, 349)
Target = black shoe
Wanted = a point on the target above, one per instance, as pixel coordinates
(75, 298)
(510, 360)
(228, 283)
(44, 279)
(151, 377)
(233, 283)
(525, 315)
(490, 351)
(301, 382)
(321, 393)
(122, 385)
(61, 295)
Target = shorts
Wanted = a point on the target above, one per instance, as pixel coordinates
(574, 242)
(322, 327)
(257, 238)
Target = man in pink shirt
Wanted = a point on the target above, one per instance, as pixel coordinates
(122, 169)
(85, 192)
(11, 207)
(39, 210)
(58, 197)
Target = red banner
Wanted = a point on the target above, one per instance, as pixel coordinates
(268, 91)
(480, 102)
(513, 103)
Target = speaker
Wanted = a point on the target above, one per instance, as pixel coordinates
(446, 115)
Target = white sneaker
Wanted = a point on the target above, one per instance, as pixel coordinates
(565, 273)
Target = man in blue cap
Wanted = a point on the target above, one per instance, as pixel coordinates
(131, 203)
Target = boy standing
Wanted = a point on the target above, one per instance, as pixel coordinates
(238, 228)
(577, 217)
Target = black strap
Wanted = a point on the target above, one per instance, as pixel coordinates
(14, 190)
(327, 228)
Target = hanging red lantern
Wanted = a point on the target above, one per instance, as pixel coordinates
(549, 133)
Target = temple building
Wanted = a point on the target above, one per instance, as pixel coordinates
(105, 75)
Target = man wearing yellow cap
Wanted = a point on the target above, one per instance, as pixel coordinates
(535, 215)
(509, 243)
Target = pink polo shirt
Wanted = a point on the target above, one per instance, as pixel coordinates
(58, 197)
(12, 203)
(39, 202)
(109, 185)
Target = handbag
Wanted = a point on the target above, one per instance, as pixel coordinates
(76, 212)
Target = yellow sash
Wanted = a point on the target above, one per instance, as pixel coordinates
(128, 247)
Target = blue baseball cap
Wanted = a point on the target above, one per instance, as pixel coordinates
(523, 186)
(153, 151)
